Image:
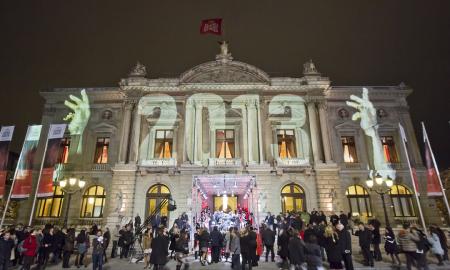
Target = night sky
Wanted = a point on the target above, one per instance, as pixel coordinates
(95, 43)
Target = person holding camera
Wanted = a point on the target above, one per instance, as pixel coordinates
(98, 248)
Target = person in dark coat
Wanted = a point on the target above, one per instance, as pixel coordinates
(69, 245)
(296, 249)
(48, 243)
(345, 245)
(127, 239)
(334, 219)
(268, 238)
(106, 240)
(365, 239)
(6, 246)
(216, 245)
(343, 219)
(160, 245)
(322, 217)
(374, 226)
(204, 239)
(174, 233)
(390, 245)
(331, 245)
(58, 240)
(248, 247)
(313, 255)
(283, 247)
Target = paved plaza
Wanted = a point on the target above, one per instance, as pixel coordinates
(119, 264)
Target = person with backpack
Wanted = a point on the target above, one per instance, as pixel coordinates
(29, 249)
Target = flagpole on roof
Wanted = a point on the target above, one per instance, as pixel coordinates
(404, 140)
(426, 140)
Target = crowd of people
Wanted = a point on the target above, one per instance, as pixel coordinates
(300, 241)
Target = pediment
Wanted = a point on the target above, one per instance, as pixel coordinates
(224, 72)
(103, 127)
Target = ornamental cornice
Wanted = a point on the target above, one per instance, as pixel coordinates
(224, 72)
(375, 92)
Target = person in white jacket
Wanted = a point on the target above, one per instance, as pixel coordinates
(436, 247)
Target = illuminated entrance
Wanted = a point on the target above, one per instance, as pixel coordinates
(224, 192)
(293, 198)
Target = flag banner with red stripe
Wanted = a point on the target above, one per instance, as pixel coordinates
(412, 165)
(211, 26)
(6, 134)
(24, 170)
(433, 186)
(51, 157)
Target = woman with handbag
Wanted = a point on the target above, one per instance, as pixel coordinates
(147, 245)
(82, 247)
(390, 245)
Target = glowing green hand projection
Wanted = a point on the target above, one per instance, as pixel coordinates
(368, 115)
(79, 117)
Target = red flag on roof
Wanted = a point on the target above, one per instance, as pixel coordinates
(211, 26)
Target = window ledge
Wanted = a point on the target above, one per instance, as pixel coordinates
(224, 162)
(292, 162)
(159, 162)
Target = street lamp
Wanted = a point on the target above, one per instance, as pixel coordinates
(375, 184)
(70, 186)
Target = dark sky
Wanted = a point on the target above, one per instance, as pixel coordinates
(47, 44)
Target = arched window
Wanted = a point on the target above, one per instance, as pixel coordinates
(292, 198)
(93, 202)
(51, 206)
(402, 201)
(359, 201)
(155, 195)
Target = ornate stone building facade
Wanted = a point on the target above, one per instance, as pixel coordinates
(227, 128)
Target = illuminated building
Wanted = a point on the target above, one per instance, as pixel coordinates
(226, 131)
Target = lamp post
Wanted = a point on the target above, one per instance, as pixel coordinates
(70, 186)
(375, 184)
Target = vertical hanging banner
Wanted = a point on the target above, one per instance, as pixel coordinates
(24, 169)
(51, 156)
(433, 181)
(6, 134)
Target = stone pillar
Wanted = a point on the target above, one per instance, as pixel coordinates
(258, 123)
(315, 141)
(124, 139)
(249, 136)
(135, 135)
(198, 127)
(324, 131)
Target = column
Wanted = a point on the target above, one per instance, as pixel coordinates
(135, 135)
(124, 139)
(259, 133)
(198, 129)
(324, 130)
(313, 123)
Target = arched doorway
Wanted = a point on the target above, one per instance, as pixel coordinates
(293, 198)
(155, 195)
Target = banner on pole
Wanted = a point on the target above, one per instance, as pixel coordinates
(433, 185)
(6, 134)
(51, 156)
(411, 164)
(24, 169)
